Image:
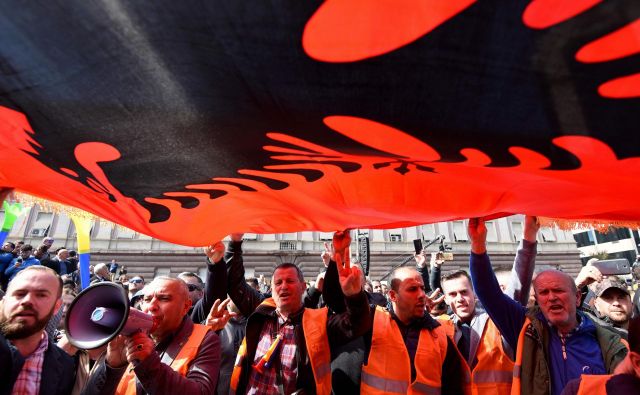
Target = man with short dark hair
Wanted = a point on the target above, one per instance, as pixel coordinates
(613, 302)
(287, 346)
(21, 262)
(29, 360)
(6, 256)
(195, 285)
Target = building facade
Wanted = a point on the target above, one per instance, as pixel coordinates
(150, 257)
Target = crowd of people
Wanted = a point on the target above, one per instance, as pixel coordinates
(426, 330)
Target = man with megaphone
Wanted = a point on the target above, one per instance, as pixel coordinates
(176, 356)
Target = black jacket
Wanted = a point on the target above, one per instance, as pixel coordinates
(58, 370)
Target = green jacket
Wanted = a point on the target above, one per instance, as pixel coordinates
(534, 374)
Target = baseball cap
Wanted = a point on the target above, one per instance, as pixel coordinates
(610, 282)
(138, 295)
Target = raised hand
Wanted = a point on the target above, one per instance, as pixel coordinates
(351, 280)
(437, 259)
(420, 259)
(433, 299)
(588, 275)
(341, 243)
(320, 281)
(219, 315)
(478, 234)
(531, 228)
(326, 254)
(215, 252)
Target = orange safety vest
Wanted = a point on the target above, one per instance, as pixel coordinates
(593, 384)
(314, 326)
(180, 364)
(388, 370)
(517, 367)
(493, 373)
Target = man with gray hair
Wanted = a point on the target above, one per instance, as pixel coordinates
(177, 356)
(554, 343)
(101, 273)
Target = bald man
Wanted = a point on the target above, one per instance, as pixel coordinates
(178, 356)
(554, 342)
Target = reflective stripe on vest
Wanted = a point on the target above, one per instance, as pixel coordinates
(593, 384)
(517, 367)
(388, 369)
(493, 372)
(180, 364)
(314, 326)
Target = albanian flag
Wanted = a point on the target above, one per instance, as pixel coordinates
(188, 120)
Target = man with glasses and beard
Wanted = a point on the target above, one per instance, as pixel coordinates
(30, 363)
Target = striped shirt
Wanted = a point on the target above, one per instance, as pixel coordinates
(28, 381)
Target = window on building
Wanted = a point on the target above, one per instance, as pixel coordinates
(614, 234)
(516, 230)
(250, 236)
(288, 236)
(42, 225)
(325, 236)
(459, 231)
(288, 245)
(547, 234)
(584, 239)
(395, 237)
(125, 233)
(492, 232)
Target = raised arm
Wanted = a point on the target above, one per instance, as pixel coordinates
(243, 296)
(215, 286)
(525, 262)
(506, 313)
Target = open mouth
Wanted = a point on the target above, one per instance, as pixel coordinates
(556, 308)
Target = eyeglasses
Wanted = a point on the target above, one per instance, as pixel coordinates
(193, 287)
(135, 281)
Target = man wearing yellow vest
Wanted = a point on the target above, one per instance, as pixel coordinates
(177, 357)
(627, 377)
(488, 356)
(409, 352)
(554, 342)
(287, 346)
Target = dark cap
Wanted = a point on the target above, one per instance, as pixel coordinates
(610, 282)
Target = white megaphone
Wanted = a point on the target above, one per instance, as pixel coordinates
(101, 312)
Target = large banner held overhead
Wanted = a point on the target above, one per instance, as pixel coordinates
(190, 120)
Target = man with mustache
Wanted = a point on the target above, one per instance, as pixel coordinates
(30, 363)
(554, 342)
(287, 346)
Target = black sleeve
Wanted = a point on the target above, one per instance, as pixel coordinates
(215, 288)
(424, 273)
(243, 296)
(354, 322)
(312, 298)
(434, 277)
(331, 290)
(453, 371)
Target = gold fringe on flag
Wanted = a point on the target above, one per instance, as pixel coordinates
(602, 226)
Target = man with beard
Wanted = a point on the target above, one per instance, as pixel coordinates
(30, 363)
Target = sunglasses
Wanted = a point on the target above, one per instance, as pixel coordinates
(193, 287)
(136, 281)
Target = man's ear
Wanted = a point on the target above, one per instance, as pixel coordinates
(393, 295)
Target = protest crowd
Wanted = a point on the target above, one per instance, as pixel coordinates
(426, 330)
